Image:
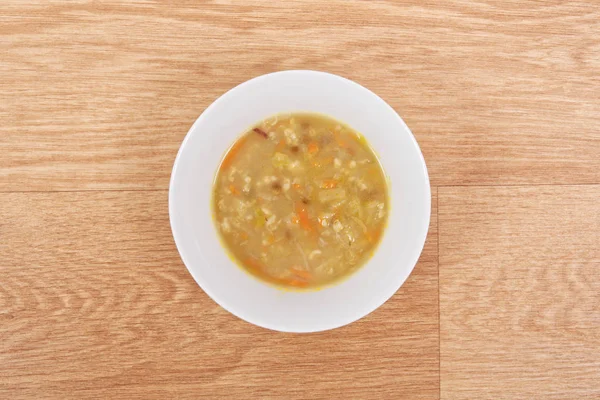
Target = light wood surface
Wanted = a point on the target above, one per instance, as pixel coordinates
(98, 95)
(503, 97)
(520, 292)
(95, 303)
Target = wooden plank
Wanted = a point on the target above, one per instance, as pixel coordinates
(95, 303)
(519, 292)
(99, 95)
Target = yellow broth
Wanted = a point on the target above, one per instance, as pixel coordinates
(300, 200)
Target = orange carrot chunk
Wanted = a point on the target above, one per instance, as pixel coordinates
(232, 153)
(303, 216)
(281, 145)
(254, 265)
(296, 282)
(301, 273)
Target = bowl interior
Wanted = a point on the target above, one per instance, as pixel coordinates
(191, 188)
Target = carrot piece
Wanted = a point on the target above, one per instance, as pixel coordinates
(254, 264)
(301, 273)
(299, 277)
(296, 186)
(233, 190)
(280, 146)
(296, 283)
(329, 184)
(258, 268)
(303, 216)
(232, 153)
(313, 147)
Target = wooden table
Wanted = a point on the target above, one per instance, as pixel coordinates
(503, 97)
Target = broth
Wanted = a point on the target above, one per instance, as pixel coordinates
(300, 200)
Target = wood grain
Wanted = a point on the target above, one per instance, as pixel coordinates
(98, 95)
(520, 292)
(95, 303)
(95, 98)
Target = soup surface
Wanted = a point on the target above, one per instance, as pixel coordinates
(300, 200)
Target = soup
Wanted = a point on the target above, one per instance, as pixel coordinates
(300, 200)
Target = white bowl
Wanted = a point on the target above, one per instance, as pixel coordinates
(196, 235)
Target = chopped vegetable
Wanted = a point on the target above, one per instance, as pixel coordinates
(232, 153)
(301, 273)
(296, 283)
(303, 216)
(254, 264)
(233, 190)
(313, 147)
(259, 218)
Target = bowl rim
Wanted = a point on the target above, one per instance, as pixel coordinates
(421, 239)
